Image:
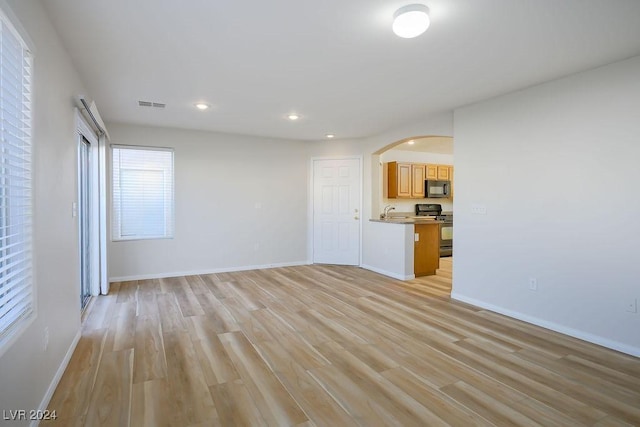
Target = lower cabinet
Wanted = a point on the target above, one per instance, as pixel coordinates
(427, 249)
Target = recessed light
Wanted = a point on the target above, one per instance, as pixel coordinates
(330, 135)
(411, 142)
(202, 106)
(293, 117)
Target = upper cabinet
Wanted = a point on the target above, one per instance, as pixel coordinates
(399, 180)
(418, 175)
(406, 180)
(432, 171)
(443, 172)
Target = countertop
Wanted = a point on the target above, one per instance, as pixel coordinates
(408, 220)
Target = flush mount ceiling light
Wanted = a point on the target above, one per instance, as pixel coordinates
(411, 21)
(202, 106)
(293, 117)
(330, 135)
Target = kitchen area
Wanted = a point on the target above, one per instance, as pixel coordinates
(414, 230)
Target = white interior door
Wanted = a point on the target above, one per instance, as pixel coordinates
(336, 211)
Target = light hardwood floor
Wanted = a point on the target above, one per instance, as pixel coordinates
(330, 346)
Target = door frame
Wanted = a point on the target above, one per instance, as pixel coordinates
(98, 220)
(311, 198)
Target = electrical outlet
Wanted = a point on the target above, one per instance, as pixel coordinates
(478, 209)
(632, 305)
(533, 284)
(45, 343)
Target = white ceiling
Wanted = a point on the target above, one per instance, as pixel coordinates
(334, 62)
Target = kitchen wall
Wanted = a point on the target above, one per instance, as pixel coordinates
(240, 202)
(556, 167)
(27, 370)
(403, 205)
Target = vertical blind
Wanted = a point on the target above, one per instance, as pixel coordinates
(142, 193)
(16, 280)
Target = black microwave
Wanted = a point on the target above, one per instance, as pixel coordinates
(437, 189)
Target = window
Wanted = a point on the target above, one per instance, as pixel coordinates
(16, 280)
(142, 193)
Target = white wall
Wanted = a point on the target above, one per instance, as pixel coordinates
(391, 249)
(403, 205)
(220, 180)
(26, 370)
(557, 167)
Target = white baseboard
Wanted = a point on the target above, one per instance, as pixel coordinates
(206, 271)
(388, 273)
(56, 378)
(585, 336)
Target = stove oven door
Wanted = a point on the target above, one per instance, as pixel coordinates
(446, 239)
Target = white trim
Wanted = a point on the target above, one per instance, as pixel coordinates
(594, 339)
(102, 213)
(208, 271)
(140, 147)
(56, 378)
(310, 197)
(389, 273)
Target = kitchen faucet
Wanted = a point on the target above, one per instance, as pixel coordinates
(386, 211)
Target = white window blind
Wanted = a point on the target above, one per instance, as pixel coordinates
(142, 193)
(16, 280)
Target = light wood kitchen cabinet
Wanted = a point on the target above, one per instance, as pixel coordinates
(451, 179)
(426, 254)
(443, 172)
(406, 180)
(438, 172)
(418, 175)
(432, 171)
(399, 180)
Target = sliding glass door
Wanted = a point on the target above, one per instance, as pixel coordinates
(85, 214)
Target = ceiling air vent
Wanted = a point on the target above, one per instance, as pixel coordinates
(151, 104)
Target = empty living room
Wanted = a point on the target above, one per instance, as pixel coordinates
(241, 213)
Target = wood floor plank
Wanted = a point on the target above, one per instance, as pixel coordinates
(74, 391)
(235, 406)
(192, 400)
(275, 403)
(151, 404)
(171, 318)
(149, 359)
(187, 300)
(487, 407)
(122, 327)
(446, 408)
(110, 403)
(215, 363)
(323, 409)
(127, 291)
(322, 345)
(354, 400)
(384, 393)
